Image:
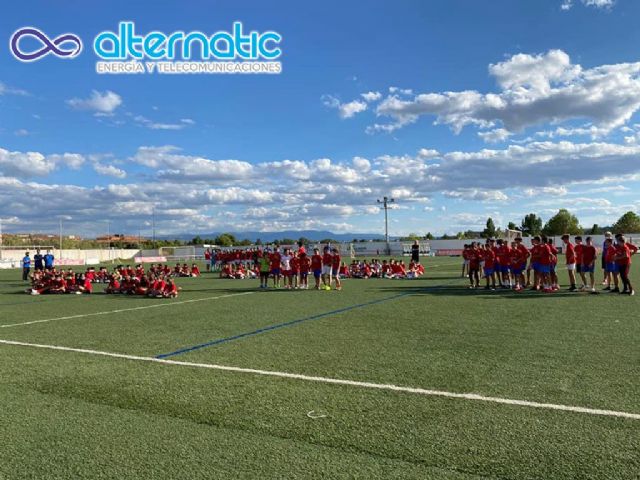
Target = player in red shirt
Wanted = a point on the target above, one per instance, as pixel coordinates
(335, 267)
(624, 252)
(589, 255)
(327, 268)
(519, 257)
(170, 289)
(316, 267)
(610, 265)
(553, 276)
(489, 258)
(304, 265)
(570, 260)
(473, 254)
(578, 249)
(503, 258)
(114, 284)
(465, 261)
(274, 259)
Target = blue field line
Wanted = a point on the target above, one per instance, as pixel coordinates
(293, 322)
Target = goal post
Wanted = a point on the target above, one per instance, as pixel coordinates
(179, 254)
(511, 235)
(424, 248)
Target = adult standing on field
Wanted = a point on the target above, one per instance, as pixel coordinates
(38, 260)
(26, 266)
(415, 252)
(48, 260)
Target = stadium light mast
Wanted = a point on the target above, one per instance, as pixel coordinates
(385, 202)
(153, 224)
(60, 219)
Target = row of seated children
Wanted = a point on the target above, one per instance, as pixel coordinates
(150, 285)
(375, 269)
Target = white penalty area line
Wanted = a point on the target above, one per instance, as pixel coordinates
(169, 303)
(337, 381)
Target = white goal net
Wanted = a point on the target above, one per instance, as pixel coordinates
(179, 254)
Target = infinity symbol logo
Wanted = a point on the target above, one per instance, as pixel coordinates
(48, 46)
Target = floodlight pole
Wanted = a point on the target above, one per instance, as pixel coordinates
(60, 237)
(153, 224)
(385, 202)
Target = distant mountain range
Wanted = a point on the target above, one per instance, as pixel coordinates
(267, 237)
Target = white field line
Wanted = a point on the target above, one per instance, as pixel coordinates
(337, 381)
(132, 309)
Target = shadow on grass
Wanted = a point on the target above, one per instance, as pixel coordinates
(481, 293)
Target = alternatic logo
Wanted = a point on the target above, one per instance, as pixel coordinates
(48, 45)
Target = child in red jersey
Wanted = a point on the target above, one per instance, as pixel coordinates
(473, 255)
(114, 284)
(295, 269)
(503, 259)
(84, 285)
(624, 252)
(316, 267)
(327, 268)
(589, 255)
(275, 259)
(335, 268)
(553, 276)
(578, 249)
(465, 261)
(570, 260)
(170, 289)
(611, 267)
(195, 271)
(519, 256)
(489, 258)
(305, 265)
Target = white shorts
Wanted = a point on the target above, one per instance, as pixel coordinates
(465, 262)
(571, 267)
(326, 270)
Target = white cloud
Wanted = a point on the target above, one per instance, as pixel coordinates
(22, 132)
(189, 190)
(371, 96)
(345, 110)
(71, 160)
(534, 90)
(602, 4)
(109, 170)
(498, 135)
(102, 103)
(145, 122)
(479, 195)
(7, 90)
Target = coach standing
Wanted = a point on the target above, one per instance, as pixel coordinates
(26, 266)
(38, 260)
(415, 252)
(48, 260)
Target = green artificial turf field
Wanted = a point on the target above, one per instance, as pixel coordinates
(82, 414)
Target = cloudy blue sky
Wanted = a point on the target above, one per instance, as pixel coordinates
(458, 109)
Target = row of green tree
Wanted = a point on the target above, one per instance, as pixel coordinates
(532, 225)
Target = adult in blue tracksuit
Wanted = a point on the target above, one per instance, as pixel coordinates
(48, 260)
(26, 266)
